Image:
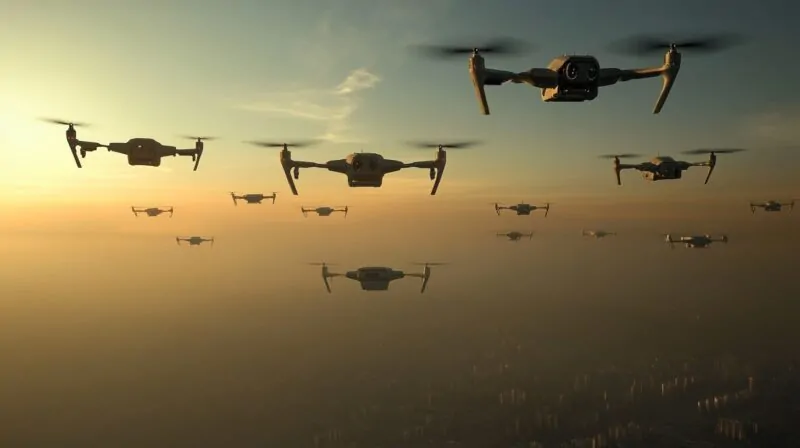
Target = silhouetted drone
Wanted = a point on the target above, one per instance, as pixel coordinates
(140, 151)
(252, 198)
(516, 236)
(665, 167)
(598, 233)
(194, 240)
(578, 78)
(324, 211)
(695, 242)
(375, 278)
(363, 169)
(152, 211)
(522, 209)
(771, 206)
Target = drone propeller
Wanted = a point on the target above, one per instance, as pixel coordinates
(500, 46)
(454, 145)
(321, 264)
(619, 156)
(296, 144)
(199, 139)
(429, 264)
(646, 45)
(714, 151)
(64, 123)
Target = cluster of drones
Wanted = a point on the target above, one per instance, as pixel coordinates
(568, 78)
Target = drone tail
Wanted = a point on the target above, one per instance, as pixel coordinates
(669, 73)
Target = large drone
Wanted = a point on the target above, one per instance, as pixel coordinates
(324, 211)
(516, 236)
(695, 242)
(522, 209)
(363, 169)
(140, 151)
(771, 206)
(578, 78)
(374, 278)
(152, 212)
(598, 233)
(252, 198)
(194, 240)
(665, 167)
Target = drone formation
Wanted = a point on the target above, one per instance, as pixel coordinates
(567, 78)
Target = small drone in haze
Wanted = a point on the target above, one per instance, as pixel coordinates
(516, 236)
(376, 278)
(152, 211)
(771, 206)
(577, 78)
(695, 242)
(665, 167)
(252, 198)
(363, 169)
(194, 240)
(598, 233)
(324, 211)
(522, 209)
(140, 151)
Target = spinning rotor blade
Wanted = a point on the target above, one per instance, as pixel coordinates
(714, 151)
(455, 145)
(321, 264)
(429, 264)
(64, 123)
(500, 46)
(199, 138)
(619, 156)
(647, 45)
(296, 144)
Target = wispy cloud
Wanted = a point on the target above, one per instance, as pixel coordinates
(776, 127)
(333, 108)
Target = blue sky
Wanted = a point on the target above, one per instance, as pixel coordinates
(270, 70)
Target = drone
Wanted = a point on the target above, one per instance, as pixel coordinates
(695, 242)
(376, 278)
(522, 209)
(516, 236)
(771, 206)
(152, 212)
(140, 151)
(194, 240)
(598, 233)
(665, 167)
(324, 211)
(252, 198)
(363, 169)
(577, 78)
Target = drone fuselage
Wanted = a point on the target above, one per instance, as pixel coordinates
(153, 212)
(366, 169)
(664, 168)
(515, 236)
(696, 241)
(375, 278)
(771, 206)
(252, 198)
(143, 151)
(578, 77)
(324, 211)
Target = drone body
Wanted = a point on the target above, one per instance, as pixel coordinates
(252, 198)
(771, 206)
(194, 240)
(598, 233)
(522, 209)
(139, 151)
(377, 278)
(516, 236)
(325, 211)
(696, 241)
(665, 167)
(152, 212)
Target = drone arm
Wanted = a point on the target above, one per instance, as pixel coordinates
(668, 72)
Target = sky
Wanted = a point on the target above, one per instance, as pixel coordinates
(342, 71)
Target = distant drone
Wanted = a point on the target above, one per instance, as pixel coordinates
(324, 211)
(377, 278)
(598, 233)
(194, 240)
(522, 209)
(140, 151)
(252, 198)
(771, 206)
(363, 169)
(516, 236)
(667, 168)
(152, 211)
(695, 242)
(577, 78)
